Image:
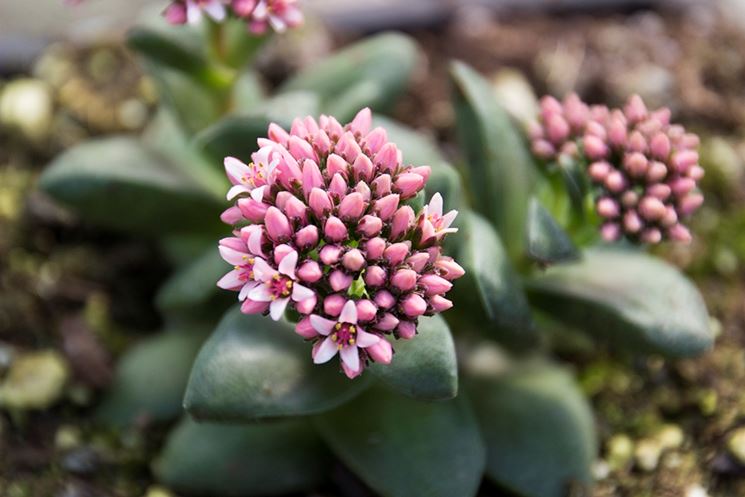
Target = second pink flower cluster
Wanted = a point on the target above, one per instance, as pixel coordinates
(258, 14)
(331, 236)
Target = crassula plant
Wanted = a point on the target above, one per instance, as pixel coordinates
(340, 240)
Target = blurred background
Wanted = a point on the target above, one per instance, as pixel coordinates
(73, 297)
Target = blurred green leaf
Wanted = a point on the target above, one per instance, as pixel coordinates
(538, 429)
(253, 367)
(371, 73)
(195, 284)
(634, 300)
(402, 447)
(548, 243)
(221, 460)
(490, 275)
(151, 379)
(119, 183)
(500, 169)
(425, 367)
(248, 93)
(236, 135)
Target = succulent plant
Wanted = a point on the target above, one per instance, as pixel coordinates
(337, 239)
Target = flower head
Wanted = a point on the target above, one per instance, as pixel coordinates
(192, 11)
(330, 236)
(644, 169)
(258, 14)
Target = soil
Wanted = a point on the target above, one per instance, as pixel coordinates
(667, 428)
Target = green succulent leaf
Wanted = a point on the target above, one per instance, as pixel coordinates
(491, 278)
(425, 367)
(253, 367)
(418, 149)
(403, 447)
(236, 135)
(248, 93)
(499, 166)
(629, 298)
(119, 183)
(151, 379)
(538, 429)
(372, 73)
(221, 460)
(548, 243)
(195, 284)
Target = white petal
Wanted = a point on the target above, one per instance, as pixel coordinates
(365, 339)
(263, 271)
(435, 205)
(288, 263)
(277, 24)
(216, 10)
(193, 12)
(348, 313)
(300, 293)
(258, 193)
(260, 294)
(232, 256)
(351, 357)
(448, 219)
(230, 281)
(277, 308)
(243, 295)
(254, 241)
(322, 325)
(236, 190)
(260, 11)
(236, 169)
(325, 352)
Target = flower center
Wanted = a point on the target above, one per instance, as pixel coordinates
(256, 176)
(280, 287)
(344, 334)
(246, 270)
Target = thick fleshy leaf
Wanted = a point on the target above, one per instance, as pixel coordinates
(120, 183)
(222, 460)
(151, 379)
(632, 299)
(372, 73)
(548, 243)
(253, 367)
(194, 284)
(492, 280)
(538, 428)
(417, 148)
(403, 447)
(426, 366)
(236, 135)
(499, 167)
(248, 93)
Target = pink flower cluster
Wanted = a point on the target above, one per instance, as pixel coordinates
(644, 169)
(330, 235)
(258, 14)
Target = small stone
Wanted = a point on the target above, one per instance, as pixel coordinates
(670, 436)
(34, 381)
(647, 454)
(736, 445)
(157, 491)
(81, 461)
(620, 450)
(26, 105)
(600, 470)
(707, 402)
(696, 491)
(67, 437)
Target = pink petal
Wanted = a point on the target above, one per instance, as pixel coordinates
(351, 357)
(365, 339)
(322, 325)
(260, 294)
(257, 193)
(325, 352)
(263, 271)
(243, 295)
(288, 263)
(300, 293)
(236, 190)
(231, 281)
(277, 308)
(232, 256)
(348, 313)
(435, 205)
(448, 219)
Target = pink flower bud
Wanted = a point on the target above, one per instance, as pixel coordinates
(175, 13)
(307, 237)
(404, 279)
(319, 202)
(615, 181)
(353, 260)
(636, 164)
(610, 232)
(387, 158)
(352, 207)
(406, 330)
(635, 109)
(375, 276)
(418, 261)
(388, 322)
(424, 171)
(363, 190)
(363, 168)
(435, 285)
(396, 253)
(651, 235)
(376, 139)
(413, 305)
(339, 280)
(252, 210)
(338, 186)
(594, 128)
(660, 191)
(305, 330)
(336, 165)
(632, 223)
(231, 215)
(306, 306)
(381, 352)
(449, 269)
(682, 186)
(543, 149)
(322, 142)
(277, 225)
(637, 142)
(557, 128)
(684, 159)
(690, 203)
(652, 209)
(385, 299)
(280, 251)
(370, 226)
(386, 206)
(608, 208)
(408, 184)
(630, 199)
(362, 122)
(312, 177)
(440, 303)
(598, 171)
(660, 146)
(300, 149)
(696, 173)
(382, 185)
(333, 304)
(403, 220)
(295, 209)
(366, 310)
(617, 132)
(375, 248)
(656, 172)
(330, 254)
(335, 230)
(252, 307)
(680, 233)
(670, 218)
(594, 147)
(309, 272)
(348, 147)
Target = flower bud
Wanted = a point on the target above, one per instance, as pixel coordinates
(319, 202)
(381, 352)
(404, 279)
(403, 219)
(352, 206)
(435, 285)
(375, 276)
(305, 330)
(366, 310)
(408, 184)
(385, 299)
(335, 230)
(375, 248)
(418, 261)
(307, 237)
(396, 253)
(413, 305)
(386, 206)
(353, 260)
(333, 304)
(306, 306)
(406, 330)
(310, 272)
(330, 254)
(277, 225)
(388, 322)
(440, 303)
(339, 280)
(370, 226)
